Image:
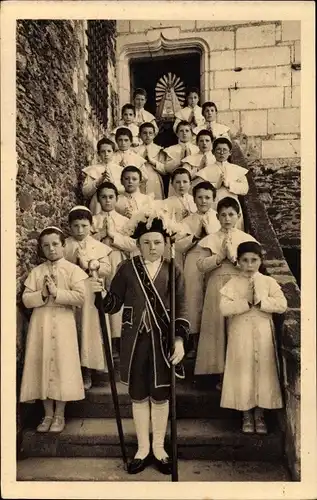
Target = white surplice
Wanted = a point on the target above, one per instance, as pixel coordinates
(154, 173)
(92, 174)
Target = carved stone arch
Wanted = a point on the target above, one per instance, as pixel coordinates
(171, 41)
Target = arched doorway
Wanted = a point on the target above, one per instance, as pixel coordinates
(146, 72)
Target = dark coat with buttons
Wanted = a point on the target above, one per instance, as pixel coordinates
(126, 291)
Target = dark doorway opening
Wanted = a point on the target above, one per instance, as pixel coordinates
(293, 258)
(146, 72)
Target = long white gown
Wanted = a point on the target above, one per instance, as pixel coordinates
(52, 363)
(251, 371)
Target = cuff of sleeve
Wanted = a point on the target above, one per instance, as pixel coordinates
(182, 329)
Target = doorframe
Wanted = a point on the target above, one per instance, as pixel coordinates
(156, 43)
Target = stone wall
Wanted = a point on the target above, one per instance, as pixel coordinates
(56, 134)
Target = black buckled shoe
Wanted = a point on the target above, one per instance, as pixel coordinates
(164, 465)
(139, 464)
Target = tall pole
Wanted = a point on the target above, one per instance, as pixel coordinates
(93, 271)
(173, 380)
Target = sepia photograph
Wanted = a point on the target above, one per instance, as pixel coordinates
(157, 217)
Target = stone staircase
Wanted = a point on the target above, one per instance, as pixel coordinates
(207, 435)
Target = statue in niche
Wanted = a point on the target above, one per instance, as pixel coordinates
(170, 96)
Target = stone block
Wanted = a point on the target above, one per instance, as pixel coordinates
(255, 36)
(281, 149)
(283, 76)
(296, 97)
(222, 60)
(123, 26)
(256, 98)
(291, 30)
(220, 97)
(246, 78)
(297, 52)
(230, 118)
(142, 26)
(220, 40)
(296, 77)
(281, 121)
(254, 122)
(287, 97)
(260, 57)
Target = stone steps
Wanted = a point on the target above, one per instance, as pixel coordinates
(212, 439)
(111, 469)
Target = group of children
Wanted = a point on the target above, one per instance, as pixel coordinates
(224, 305)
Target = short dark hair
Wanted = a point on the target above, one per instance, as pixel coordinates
(49, 230)
(123, 131)
(228, 202)
(205, 132)
(79, 214)
(146, 125)
(179, 171)
(222, 140)
(140, 91)
(131, 168)
(192, 90)
(204, 185)
(249, 246)
(208, 104)
(183, 123)
(107, 185)
(127, 106)
(105, 140)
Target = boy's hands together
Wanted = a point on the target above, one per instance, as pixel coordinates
(178, 353)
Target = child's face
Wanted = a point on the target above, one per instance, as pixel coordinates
(107, 199)
(123, 142)
(147, 135)
(181, 184)
(52, 247)
(151, 246)
(228, 217)
(80, 228)
(222, 152)
(203, 199)
(249, 263)
(139, 101)
(204, 143)
(105, 153)
(131, 182)
(128, 116)
(184, 133)
(192, 99)
(210, 114)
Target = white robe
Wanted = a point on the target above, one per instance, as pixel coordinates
(197, 162)
(217, 129)
(91, 341)
(136, 201)
(143, 116)
(52, 362)
(122, 246)
(211, 347)
(154, 183)
(92, 174)
(251, 371)
(194, 279)
(184, 114)
(131, 158)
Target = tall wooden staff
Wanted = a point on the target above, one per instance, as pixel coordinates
(172, 348)
(93, 271)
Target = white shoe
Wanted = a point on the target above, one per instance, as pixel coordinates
(45, 424)
(58, 424)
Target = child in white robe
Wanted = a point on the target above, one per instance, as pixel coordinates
(106, 170)
(132, 200)
(198, 161)
(219, 265)
(125, 156)
(51, 369)
(181, 204)
(229, 179)
(175, 154)
(141, 115)
(209, 112)
(155, 158)
(108, 227)
(251, 381)
(80, 248)
(196, 226)
(191, 113)
(128, 121)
